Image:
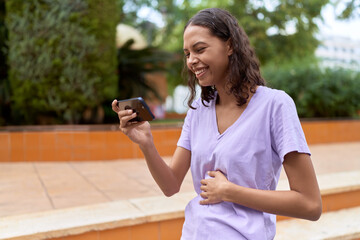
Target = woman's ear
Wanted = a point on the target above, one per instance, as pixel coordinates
(229, 47)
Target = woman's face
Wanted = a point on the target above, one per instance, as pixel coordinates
(206, 55)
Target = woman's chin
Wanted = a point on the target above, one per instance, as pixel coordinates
(204, 84)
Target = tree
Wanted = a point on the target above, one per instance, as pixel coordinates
(279, 30)
(62, 57)
(5, 90)
(351, 9)
(133, 65)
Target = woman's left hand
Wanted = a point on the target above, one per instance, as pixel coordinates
(213, 188)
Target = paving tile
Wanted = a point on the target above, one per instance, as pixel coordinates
(124, 189)
(131, 190)
(113, 182)
(77, 199)
(160, 208)
(17, 169)
(21, 191)
(336, 157)
(331, 183)
(344, 224)
(66, 187)
(24, 205)
(67, 184)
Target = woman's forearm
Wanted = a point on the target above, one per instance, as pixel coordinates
(160, 170)
(302, 201)
(287, 203)
(169, 178)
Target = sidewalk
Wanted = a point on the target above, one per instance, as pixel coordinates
(38, 186)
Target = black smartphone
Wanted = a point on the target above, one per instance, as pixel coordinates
(138, 105)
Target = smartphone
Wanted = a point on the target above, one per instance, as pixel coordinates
(138, 105)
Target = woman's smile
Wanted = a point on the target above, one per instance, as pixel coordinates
(200, 72)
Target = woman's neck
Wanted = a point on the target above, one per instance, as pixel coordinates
(227, 99)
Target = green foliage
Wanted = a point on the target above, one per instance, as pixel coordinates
(4, 81)
(281, 32)
(133, 65)
(317, 93)
(351, 10)
(267, 26)
(101, 20)
(61, 56)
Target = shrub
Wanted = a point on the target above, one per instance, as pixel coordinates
(335, 94)
(133, 65)
(4, 81)
(318, 93)
(62, 57)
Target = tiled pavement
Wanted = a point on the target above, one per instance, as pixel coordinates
(39, 186)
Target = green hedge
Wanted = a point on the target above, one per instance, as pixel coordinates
(62, 57)
(5, 90)
(318, 93)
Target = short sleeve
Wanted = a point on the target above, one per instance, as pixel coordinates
(287, 134)
(185, 137)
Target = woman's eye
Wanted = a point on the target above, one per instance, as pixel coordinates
(200, 50)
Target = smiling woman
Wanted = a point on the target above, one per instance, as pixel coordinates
(235, 139)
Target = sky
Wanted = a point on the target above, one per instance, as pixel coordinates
(334, 27)
(329, 27)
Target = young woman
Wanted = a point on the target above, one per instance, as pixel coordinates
(235, 139)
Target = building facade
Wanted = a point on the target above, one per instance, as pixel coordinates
(339, 52)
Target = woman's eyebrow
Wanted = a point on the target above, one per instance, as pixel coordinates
(196, 44)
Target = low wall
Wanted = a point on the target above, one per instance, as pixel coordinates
(106, 142)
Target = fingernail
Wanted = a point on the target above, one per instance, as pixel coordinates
(130, 111)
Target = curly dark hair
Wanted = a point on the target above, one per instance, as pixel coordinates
(244, 67)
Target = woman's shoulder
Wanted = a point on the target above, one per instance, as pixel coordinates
(196, 103)
(276, 96)
(199, 110)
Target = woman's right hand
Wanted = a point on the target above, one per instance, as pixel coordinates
(138, 132)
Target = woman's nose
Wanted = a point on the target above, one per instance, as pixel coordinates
(192, 60)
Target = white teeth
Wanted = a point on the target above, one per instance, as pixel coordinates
(199, 71)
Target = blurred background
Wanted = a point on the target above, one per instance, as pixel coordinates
(67, 172)
(64, 61)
